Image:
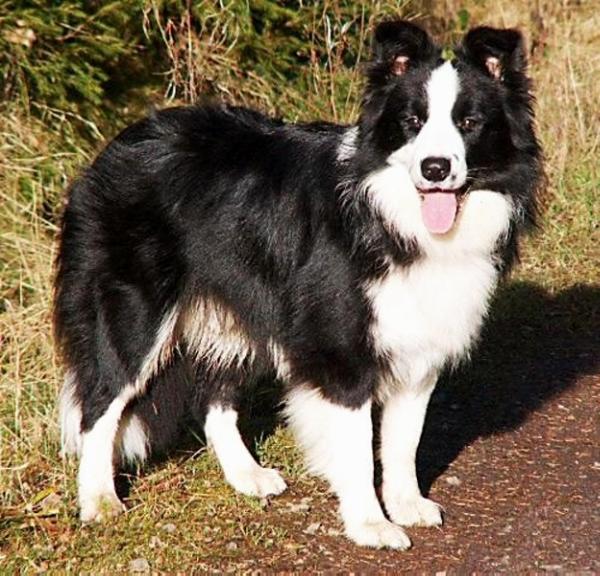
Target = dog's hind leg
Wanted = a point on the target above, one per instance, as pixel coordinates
(240, 468)
(92, 439)
(99, 386)
(97, 496)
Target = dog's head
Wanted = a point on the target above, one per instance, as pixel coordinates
(454, 120)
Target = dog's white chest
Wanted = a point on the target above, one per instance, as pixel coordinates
(432, 311)
(429, 313)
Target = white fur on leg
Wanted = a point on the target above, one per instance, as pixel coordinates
(132, 439)
(97, 497)
(401, 426)
(337, 441)
(239, 467)
(70, 417)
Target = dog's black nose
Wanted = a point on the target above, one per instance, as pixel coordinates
(435, 169)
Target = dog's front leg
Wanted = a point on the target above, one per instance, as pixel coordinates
(402, 423)
(338, 445)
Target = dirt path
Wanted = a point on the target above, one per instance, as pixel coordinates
(520, 501)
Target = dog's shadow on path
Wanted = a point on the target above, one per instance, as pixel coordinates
(535, 345)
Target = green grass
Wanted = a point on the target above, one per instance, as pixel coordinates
(181, 513)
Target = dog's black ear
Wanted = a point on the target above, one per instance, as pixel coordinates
(497, 52)
(398, 45)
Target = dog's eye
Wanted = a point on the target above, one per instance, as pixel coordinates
(414, 122)
(468, 124)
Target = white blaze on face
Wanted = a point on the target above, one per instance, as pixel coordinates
(439, 137)
(438, 140)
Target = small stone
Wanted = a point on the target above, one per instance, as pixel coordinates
(453, 481)
(231, 546)
(312, 528)
(139, 565)
(300, 507)
(170, 528)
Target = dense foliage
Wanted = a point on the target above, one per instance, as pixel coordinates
(63, 54)
(85, 56)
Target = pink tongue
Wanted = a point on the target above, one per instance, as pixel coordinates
(439, 211)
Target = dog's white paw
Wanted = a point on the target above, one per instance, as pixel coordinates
(100, 507)
(416, 511)
(380, 534)
(257, 481)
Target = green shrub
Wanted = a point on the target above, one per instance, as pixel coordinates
(82, 57)
(62, 54)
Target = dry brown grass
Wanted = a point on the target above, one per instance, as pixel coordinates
(37, 523)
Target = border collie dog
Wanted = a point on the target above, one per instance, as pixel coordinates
(352, 262)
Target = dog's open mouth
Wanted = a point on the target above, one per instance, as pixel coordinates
(440, 208)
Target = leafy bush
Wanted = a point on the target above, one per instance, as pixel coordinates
(81, 56)
(62, 54)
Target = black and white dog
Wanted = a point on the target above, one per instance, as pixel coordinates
(353, 262)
